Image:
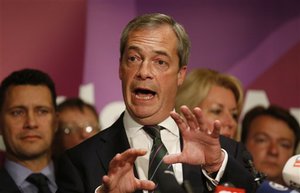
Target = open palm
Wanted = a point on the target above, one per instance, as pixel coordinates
(201, 146)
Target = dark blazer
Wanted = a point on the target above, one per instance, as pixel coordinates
(81, 168)
(7, 184)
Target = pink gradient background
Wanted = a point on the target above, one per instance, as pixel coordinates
(77, 41)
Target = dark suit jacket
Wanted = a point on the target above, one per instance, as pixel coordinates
(7, 184)
(80, 169)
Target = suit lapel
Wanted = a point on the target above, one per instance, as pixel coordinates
(7, 185)
(112, 142)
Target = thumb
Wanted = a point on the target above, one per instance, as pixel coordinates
(172, 159)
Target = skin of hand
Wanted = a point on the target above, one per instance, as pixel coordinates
(120, 177)
(200, 145)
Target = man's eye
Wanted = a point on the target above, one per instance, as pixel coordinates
(43, 111)
(161, 62)
(260, 139)
(17, 113)
(132, 58)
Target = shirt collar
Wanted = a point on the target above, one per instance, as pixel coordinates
(19, 173)
(132, 127)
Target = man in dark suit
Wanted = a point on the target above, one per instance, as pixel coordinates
(153, 64)
(27, 123)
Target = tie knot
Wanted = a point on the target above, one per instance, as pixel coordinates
(153, 130)
(38, 179)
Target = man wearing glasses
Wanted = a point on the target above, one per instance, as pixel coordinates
(78, 121)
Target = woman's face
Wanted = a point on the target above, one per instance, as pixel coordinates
(220, 104)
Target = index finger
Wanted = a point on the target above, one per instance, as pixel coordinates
(131, 154)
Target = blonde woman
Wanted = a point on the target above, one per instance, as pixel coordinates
(220, 96)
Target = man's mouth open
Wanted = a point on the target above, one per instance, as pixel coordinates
(144, 94)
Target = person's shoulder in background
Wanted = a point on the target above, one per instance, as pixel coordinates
(2, 157)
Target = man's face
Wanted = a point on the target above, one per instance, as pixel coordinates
(150, 74)
(76, 126)
(271, 142)
(28, 122)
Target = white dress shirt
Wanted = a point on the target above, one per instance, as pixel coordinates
(139, 139)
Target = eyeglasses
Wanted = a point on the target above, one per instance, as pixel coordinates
(68, 130)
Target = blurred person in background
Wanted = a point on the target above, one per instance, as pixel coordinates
(271, 134)
(77, 121)
(220, 96)
(28, 123)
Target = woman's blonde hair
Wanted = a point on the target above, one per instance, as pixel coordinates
(198, 83)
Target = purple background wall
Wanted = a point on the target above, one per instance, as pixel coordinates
(77, 41)
(253, 40)
(48, 35)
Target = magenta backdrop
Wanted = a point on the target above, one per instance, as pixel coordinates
(253, 40)
(76, 41)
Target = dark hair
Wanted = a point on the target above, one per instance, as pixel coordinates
(155, 20)
(76, 103)
(273, 111)
(27, 77)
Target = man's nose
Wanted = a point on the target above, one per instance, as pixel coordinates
(145, 70)
(30, 121)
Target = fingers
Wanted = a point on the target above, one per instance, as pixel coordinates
(140, 184)
(127, 157)
(190, 118)
(186, 122)
(172, 159)
(179, 120)
(105, 183)
(217, 128)
(146, 185)
(105, 179)
(130, 155)
(194, 121)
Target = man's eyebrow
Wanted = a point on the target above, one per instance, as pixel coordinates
(134, 48)
(17, 107)
(159, 52)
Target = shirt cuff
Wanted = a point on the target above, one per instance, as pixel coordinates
(215, 181)
(100, 189)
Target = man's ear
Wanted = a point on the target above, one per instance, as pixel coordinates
(181, 75)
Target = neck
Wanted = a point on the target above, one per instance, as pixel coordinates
(34, 164)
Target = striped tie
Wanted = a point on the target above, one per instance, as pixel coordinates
(157, 167)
